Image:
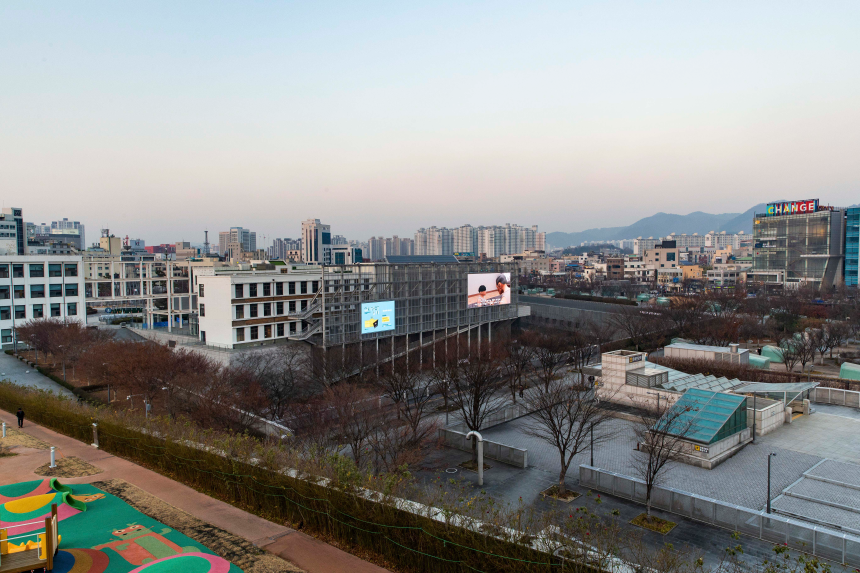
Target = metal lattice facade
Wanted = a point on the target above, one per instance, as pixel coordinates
(428, 298)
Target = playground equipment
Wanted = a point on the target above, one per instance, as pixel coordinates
(29, 555)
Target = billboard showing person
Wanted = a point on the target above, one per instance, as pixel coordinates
(489, 289)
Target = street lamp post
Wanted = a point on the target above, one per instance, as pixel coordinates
(592, 445)
(103, 377)
(64, 361)
(769, 456)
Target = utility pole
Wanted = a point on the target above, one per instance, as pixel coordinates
(769, 456)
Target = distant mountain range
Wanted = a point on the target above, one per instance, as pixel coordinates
(662, 224)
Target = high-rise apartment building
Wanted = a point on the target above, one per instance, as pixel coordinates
(316, 242)
(640, 244)
(799, 243)
(492, 241)
(852, 244)
(240, 237)
(434, 241)
(285, 249)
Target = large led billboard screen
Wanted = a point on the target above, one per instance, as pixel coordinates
(489, 289)
(377, 316)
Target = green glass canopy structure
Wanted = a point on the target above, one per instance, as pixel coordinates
(706, 417)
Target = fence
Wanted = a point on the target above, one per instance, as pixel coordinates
(820, 541)
(835, 396)
(505, 414)
(493, 450)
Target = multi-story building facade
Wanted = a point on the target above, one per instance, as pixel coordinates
(39, 286)
(66, 225)
(161, 289)
(687, 242)
(801, 242)
(13, 232)
(640, 244)
(727, 275)
(664, 255)
(245, 238)
(852, 244)
(316, 242)
(324, 303)
(723, 240)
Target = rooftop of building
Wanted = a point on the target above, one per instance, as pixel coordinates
(705, 347)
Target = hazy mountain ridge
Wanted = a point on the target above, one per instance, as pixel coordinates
(661, 224)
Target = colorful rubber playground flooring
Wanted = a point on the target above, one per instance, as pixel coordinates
(101, 533)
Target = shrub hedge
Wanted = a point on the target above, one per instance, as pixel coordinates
(325, 495)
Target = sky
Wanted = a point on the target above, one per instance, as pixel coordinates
(161, 119)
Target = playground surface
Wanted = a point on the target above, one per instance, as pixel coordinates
(100, 533)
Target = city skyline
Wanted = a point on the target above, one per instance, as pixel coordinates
(565, 116)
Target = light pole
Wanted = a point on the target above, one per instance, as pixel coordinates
(592, 445)
(104, 364)
(769, 456)
(754, 414)
(658, 399)
(64, 361)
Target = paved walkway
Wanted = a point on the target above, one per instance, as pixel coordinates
(18, 372)
(304, 551)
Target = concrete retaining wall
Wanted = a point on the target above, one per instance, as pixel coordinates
(492, 450)
(827, 543)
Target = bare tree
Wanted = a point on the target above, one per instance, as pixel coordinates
(475, 392)
(834, 335)
(567, 416)
(517, 363)
(410, 391)
(601, 331)
(356, 415)
(551, 354)
(282, 375)
(790, 354)
(660, 431)
(633, 324)
(806, 348)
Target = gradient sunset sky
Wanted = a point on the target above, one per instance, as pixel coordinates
(160, 119)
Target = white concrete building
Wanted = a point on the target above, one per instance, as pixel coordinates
(640, 244)
(34, 287)
(245, 307)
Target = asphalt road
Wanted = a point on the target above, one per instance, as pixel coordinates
(18, 372)
(578, 304)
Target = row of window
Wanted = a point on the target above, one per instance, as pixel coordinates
(37, 270)
(37, 291)
(266, 308)
(38, 311)
(265, 289)
(254, 332)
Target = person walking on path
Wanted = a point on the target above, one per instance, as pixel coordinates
(20, 414)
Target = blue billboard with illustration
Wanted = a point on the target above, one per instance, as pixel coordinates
(377, 316)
